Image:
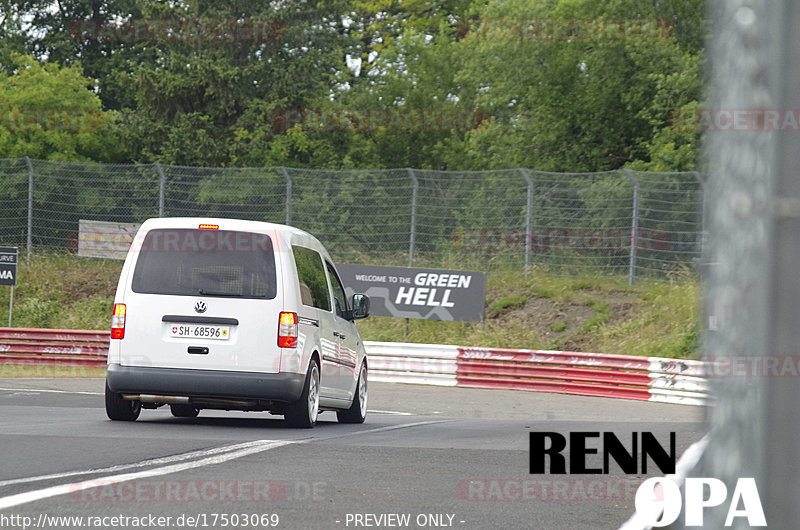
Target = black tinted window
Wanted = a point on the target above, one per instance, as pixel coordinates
(311, 275)
(206, 263)
(339, 297)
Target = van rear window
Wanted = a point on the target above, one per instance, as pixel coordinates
(193, 262)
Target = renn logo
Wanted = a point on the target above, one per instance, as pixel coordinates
(612, 448)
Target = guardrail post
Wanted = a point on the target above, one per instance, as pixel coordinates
(161, 189)
(528, 219)
(634, 226)
(288, 195)
(412, 238)
(29, 242)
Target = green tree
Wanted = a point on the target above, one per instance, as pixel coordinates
(206, 101)
(79, 32)
(189, 93)
(575, 91)
(47, 112)
(195, 82)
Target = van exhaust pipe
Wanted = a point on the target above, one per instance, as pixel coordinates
(214, 403)
(151, 398)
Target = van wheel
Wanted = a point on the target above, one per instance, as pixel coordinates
(357, 412)
(303, 412)
(120, 409)
(184, 411)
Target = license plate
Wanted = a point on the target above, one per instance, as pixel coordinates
(199, 331)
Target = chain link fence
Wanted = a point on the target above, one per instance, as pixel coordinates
(618, 222)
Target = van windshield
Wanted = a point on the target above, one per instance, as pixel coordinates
(193, 262)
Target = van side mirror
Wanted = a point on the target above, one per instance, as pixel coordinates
(360, 306)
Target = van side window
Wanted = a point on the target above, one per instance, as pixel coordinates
(311, 275)
(339, 298)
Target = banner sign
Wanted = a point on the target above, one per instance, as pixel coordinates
(8, 265)
(430, 294)
(101, 239)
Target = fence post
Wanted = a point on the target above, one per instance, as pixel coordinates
(703, 212)
(634, 225)
(30, 209)
(161, 189)
(288, 195)
(412, 238)
(528, 218)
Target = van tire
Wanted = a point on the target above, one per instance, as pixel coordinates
(184, 411)
(357, 412)
(119, 409)
(303, 412)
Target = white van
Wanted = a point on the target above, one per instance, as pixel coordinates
(234, 315)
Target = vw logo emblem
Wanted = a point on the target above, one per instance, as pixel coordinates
(200, 306)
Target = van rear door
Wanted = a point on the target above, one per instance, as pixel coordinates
(204, 299)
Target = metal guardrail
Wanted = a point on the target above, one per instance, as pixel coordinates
(65, 347)
(588, 374)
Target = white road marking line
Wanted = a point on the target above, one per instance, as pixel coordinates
(212, 456)
(63, 489)
(121, 467)
(401, 426)
(394, 412)
(193, 454)
(53, 391)
(377, 429)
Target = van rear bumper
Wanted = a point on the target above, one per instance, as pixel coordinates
(205, 383)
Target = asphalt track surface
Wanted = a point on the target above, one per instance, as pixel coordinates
(427, 457)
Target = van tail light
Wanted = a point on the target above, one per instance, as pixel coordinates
(118, 322)
(287, 330)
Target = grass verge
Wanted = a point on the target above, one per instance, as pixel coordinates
(28, 370)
